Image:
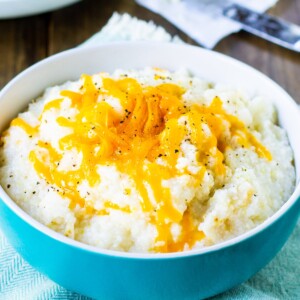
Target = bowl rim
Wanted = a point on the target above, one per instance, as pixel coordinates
(30, 7)
(7, 200)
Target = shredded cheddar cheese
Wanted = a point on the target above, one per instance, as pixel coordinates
(143, 141)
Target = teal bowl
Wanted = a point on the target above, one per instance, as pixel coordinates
(103, 274)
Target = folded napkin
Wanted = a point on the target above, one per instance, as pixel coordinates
(19, 281)
(200, 19)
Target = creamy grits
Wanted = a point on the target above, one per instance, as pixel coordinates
(147, 161)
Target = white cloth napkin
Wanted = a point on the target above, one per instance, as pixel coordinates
(205, 25)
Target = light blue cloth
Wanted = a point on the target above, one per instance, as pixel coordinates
(279, 280)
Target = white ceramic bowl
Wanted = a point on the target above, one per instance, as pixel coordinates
(22, 8)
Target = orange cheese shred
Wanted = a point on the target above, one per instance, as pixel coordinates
(24, 125)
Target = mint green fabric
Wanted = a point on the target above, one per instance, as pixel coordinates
(279, 280)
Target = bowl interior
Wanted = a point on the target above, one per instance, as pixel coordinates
(205, 64)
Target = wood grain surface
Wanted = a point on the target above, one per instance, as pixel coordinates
(25, 41)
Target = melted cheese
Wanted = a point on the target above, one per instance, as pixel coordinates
(25, 126)
(148, 128)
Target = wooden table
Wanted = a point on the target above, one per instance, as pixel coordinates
(25, 41)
